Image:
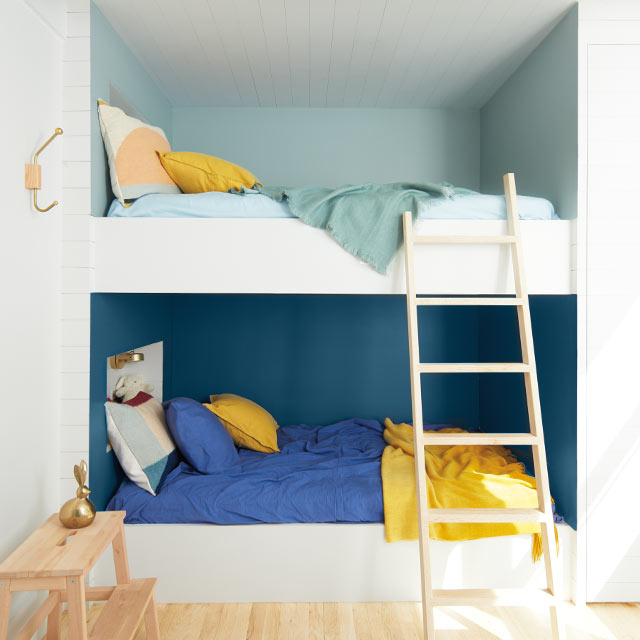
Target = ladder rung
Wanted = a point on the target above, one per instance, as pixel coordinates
(435, 438)
(485, 515)
(469, 302)
(473, 367)
(464, 239)
(493, 597)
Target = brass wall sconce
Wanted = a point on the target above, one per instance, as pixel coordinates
(33, 174)
(118, 361)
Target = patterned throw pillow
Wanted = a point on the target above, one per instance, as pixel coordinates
(131, 149)
(139, 436)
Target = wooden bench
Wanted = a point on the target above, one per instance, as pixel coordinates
(58, 560)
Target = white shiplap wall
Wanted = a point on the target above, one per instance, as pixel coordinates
(609, 348)
(76, 280)
(31, 41)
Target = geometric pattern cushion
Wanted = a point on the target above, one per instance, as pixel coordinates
(141, 440)
(131, 147)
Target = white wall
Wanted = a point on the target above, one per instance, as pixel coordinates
(30, 109)
(77, 246)
(609, 295)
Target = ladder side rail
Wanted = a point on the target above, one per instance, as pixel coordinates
(533, 401)
(418, 435)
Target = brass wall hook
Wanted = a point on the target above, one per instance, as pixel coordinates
(33, 173)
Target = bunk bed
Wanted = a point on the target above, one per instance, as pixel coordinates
(150, 248)
(226, 561)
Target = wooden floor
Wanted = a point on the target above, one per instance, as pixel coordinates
(381, 621)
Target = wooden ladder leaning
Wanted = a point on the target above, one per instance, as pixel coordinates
(543, 514)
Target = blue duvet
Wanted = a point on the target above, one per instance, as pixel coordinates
(466, 205)
(322, 474)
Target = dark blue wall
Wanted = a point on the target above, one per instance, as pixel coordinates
(502, 397)
(319, 359)
(119, 322)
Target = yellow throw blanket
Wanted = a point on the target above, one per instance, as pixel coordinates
(469, 476)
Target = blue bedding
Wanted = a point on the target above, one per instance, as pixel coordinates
(322, 474)
(465, 205)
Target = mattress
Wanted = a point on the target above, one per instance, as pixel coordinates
(465, 205)
(322, 474)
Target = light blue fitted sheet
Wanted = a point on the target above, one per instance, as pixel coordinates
(465, 205)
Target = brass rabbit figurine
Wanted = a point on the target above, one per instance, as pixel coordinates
(79, 511)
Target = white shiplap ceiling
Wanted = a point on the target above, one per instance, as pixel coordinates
(332, 53)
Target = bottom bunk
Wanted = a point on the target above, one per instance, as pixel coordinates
(208, 537)
(321, 563)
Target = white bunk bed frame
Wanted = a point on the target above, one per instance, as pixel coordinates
(348, 562)
(223, 255)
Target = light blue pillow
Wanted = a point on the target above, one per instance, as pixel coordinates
(200, 436)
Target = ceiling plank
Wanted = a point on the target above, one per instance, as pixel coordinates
(274, 20)
(218, 81)
(394, 22)
(419, 15)
(226, 17)
(298, 16)
(345, 23)
(321, 18)
(365, 39)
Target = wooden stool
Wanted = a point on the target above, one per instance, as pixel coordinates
(58, 560)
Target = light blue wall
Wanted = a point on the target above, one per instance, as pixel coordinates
(331, 147)
(112, 63)
(530, 126)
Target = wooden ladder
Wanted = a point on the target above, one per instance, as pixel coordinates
(535, 438)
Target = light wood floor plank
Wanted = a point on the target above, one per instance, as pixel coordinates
(376, 615)
(294, 620)
(234, 622)
(338, 621)
(406, 620)
(378, 621)
(174, 618)
(361, 621)
(264, 621)
(210, 624)
(316, 621)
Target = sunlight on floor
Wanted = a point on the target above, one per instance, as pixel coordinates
(384, 621)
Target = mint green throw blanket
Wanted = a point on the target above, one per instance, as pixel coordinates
(365, 219)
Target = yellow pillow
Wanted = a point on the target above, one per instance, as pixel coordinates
(198, 172)
(250, 426)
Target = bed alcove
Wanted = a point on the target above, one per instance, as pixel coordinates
(320, 359)
(323, 359)
(279, 313)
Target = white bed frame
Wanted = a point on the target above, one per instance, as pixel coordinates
(155, 255)
(320, 563)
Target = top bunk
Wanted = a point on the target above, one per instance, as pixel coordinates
(310, 128)
(264, 249)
